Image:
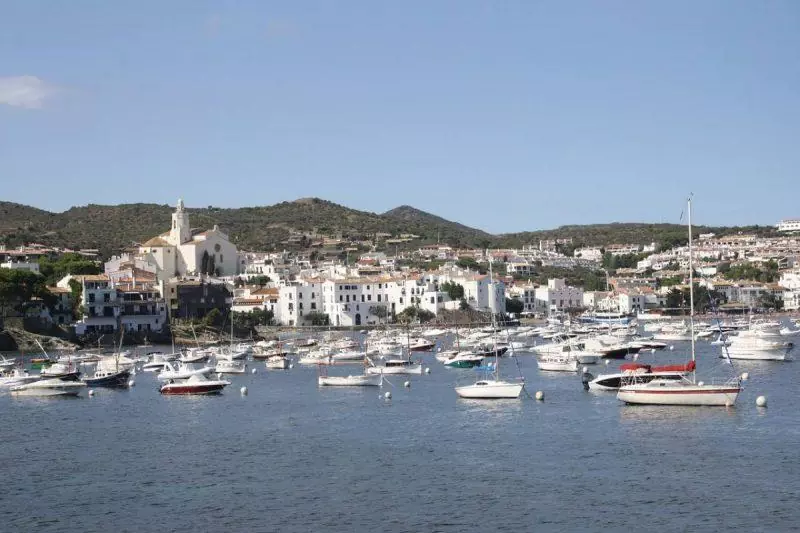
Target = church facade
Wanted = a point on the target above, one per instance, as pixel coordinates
(180, 252)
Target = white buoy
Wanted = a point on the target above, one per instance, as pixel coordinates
(91, 393)
(745, 376)
(291, 366)
(407, 384)
(219, 375)
(586, 370)
(388, 395)
(243, 390)
(253, 371)
(607, 361)
(727, 403)
(636, 357)
(671, 347)
(131, 383)
(652, 350)
(428, 370)
(700, 383)
(761, 401)
(539, 395)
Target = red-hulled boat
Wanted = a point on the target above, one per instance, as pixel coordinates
(196, 384)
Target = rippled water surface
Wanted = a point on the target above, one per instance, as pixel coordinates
(292, 457)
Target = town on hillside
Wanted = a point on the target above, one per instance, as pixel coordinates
(186, 274)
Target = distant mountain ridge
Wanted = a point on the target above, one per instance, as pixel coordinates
(114, 228)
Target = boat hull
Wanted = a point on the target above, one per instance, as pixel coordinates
(491, 391)
(178, 389)
(350, 381)
(415, 370)
(118, 380)
(569, 366)
(698, 395)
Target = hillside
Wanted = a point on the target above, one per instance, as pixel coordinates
(114, 228)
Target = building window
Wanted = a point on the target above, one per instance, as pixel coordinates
(313, 306)
(220, 258)
(362, 297)
(379, 297)
(369, 297)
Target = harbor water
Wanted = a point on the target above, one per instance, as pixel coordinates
(290, 456)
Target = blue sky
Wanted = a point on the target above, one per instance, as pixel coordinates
(502, 115)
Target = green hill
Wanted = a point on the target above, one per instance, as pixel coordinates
(112, 228)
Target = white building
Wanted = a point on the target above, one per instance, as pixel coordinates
(557, 296)
(179, 252)
(790, 281)
(789, 225)
(107, 305)
(592, 254)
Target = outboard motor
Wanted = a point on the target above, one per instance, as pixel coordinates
(586, 377)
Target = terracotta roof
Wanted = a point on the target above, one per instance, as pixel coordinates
(156, 242)
(265, 291)
(91, 277)
(59, 290)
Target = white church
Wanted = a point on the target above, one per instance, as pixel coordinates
(178, 252)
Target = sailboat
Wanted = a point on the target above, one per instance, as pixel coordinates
(686, 390)
(109, 373)
(491, 386)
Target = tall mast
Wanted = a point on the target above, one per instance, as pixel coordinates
(691, 279)
(493, 296)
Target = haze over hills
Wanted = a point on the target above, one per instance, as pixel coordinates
(114, 228)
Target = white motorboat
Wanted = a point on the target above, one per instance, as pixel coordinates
(464, 360)
(612, 382)
(751, 346)
(7, 364)
(183, 371)
(277, 362)
(49, 387)
(17, 376)
(348, 356)
(557, 363)
(358, 380)
(158, 361)
(230, 366)
(421, 345)
(195, 355)
(195, 384)
(66, 371)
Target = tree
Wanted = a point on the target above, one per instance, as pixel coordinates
(213, 318)
(415, 313)
(317, 319)
(464, 306)
(18, 287)
(70, 263)
(77, 293)
(204, 262)
(260, 280)
(769, 300)
(454, 290)
(514, 305)
(379, 311)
